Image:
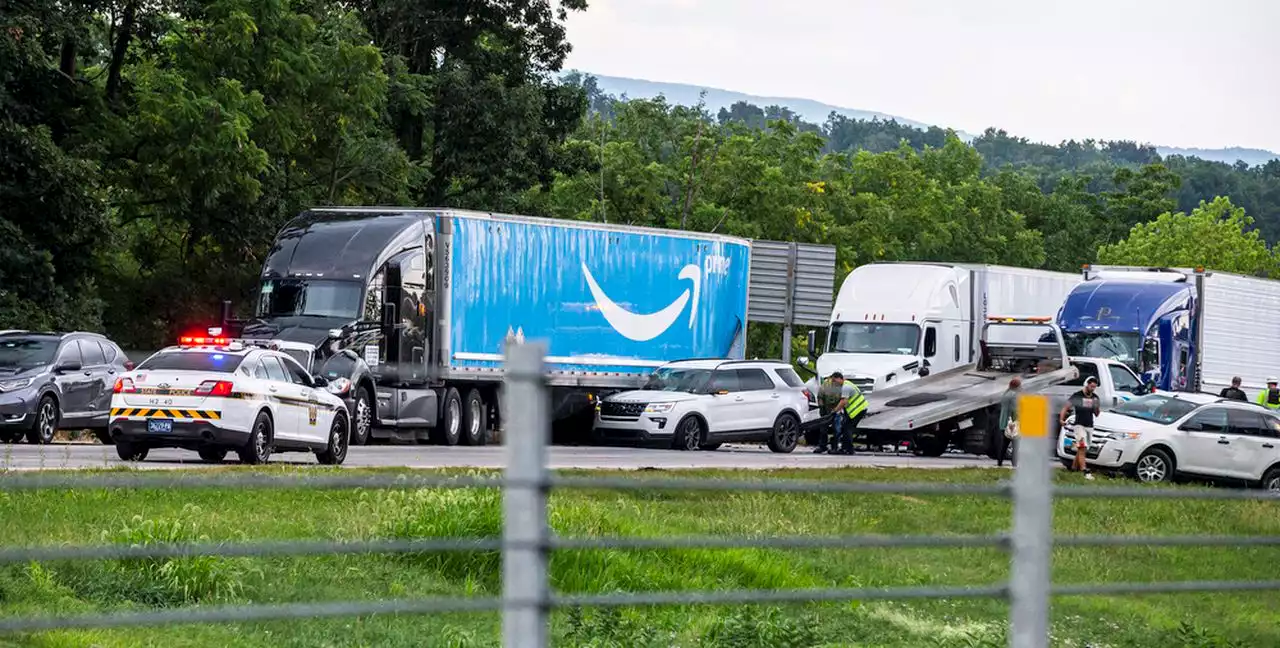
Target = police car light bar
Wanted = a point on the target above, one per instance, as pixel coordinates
(200, 340)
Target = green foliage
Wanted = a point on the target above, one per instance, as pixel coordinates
(752, 627)
(150, 151)
(1215, 235)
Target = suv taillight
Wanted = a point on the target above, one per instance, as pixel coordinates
(123, 386)
(213, 388)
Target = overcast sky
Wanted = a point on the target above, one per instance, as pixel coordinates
(1190, 73)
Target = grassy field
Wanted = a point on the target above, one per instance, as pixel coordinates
(129, 516)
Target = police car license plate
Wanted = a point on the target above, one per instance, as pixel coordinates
(159, 426)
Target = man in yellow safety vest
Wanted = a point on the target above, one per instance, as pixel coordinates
(1270, 397)
(845, 404)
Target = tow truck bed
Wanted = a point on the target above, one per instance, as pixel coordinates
(944, 396)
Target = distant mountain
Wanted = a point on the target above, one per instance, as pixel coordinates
(816, 112)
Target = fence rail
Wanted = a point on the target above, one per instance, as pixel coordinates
(527, 540)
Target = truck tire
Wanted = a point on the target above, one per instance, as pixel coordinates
(449, 428)
(930, 446)
(475, 419)
(362, 417)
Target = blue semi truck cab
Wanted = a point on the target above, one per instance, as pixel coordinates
(410, 310)
(1147, 318)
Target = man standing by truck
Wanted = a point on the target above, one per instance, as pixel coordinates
(1008, 422)
(833, 396)
(1084, 405)
(1270, 397)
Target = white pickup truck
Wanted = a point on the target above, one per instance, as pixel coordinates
(1117, 383)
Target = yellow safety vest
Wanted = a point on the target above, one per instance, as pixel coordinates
(857, 403)
(1262, 400)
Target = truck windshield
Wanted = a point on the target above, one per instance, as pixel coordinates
(1122, 347)
(867, 337)
(25, 352)
(1156, 407)
(314, 297)
(677, 379)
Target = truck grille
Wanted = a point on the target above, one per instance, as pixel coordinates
(864, 385)
(622, 410)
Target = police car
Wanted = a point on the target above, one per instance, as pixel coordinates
(214, 395)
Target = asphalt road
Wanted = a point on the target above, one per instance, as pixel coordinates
(76, 455)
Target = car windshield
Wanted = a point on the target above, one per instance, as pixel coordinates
(866, 337)
(192, 361)
(678, 379)
(24, 352)
(1122, 347)
(314, 297)
(1157, 408)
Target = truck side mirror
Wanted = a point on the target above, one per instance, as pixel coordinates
(813, 344)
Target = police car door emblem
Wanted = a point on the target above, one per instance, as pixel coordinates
(311, 414)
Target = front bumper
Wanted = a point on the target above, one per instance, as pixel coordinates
(188, 435)
(1105, 451)
(646, 427)
(18, 408)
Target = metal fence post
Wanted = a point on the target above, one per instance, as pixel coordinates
(525, 532)
(1032, 526)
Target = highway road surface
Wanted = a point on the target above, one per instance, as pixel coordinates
(80, 455)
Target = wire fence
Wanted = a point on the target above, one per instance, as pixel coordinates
(527, 598)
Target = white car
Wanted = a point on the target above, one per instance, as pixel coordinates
(1158, 436)
(216, 395)
(700, 404)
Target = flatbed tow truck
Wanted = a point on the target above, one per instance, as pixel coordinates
(960, 408)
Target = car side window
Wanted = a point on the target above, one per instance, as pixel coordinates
(725, 380)
(70, 353)
(1213, 420)
(275, 370)
(1271, 427)
(754, 380)
(257, 370)
(1245, 422)
(1123, 379)
(296, 373)
(789, 377)
(109, 351)
(91, 353)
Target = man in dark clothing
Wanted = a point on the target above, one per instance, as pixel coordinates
(1084, 405)
(1008, 426)
(1234, 392)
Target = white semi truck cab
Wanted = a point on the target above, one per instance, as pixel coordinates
(895, 322)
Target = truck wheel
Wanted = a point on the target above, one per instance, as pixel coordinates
(449, 428)
(475, 419)
(930, 446)
(362, 418)
(786, 433)
(689, 434)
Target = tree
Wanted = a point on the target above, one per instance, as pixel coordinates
(1215, 235)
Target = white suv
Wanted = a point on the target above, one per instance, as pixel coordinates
(1158, 436)
(699, 404)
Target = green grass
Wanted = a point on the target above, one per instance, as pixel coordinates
(141, 516)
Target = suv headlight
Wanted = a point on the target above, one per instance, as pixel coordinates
(658, 408)
(1126, 436)
(14, 385)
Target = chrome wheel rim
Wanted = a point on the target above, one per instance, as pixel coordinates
(1151, 469)
(455, 414)
(1274, 484)
(46, 420)
(364, 419)
(473, 430)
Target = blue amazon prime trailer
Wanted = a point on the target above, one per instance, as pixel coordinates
(411, 309)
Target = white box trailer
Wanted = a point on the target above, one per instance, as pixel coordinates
(894, 322)
(1240, 335)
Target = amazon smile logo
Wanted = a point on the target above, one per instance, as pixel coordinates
(644, 327)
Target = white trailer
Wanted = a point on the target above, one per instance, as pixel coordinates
(895, 322)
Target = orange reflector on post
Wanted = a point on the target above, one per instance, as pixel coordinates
(1033, 415)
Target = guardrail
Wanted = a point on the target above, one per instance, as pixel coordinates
(527, 598)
